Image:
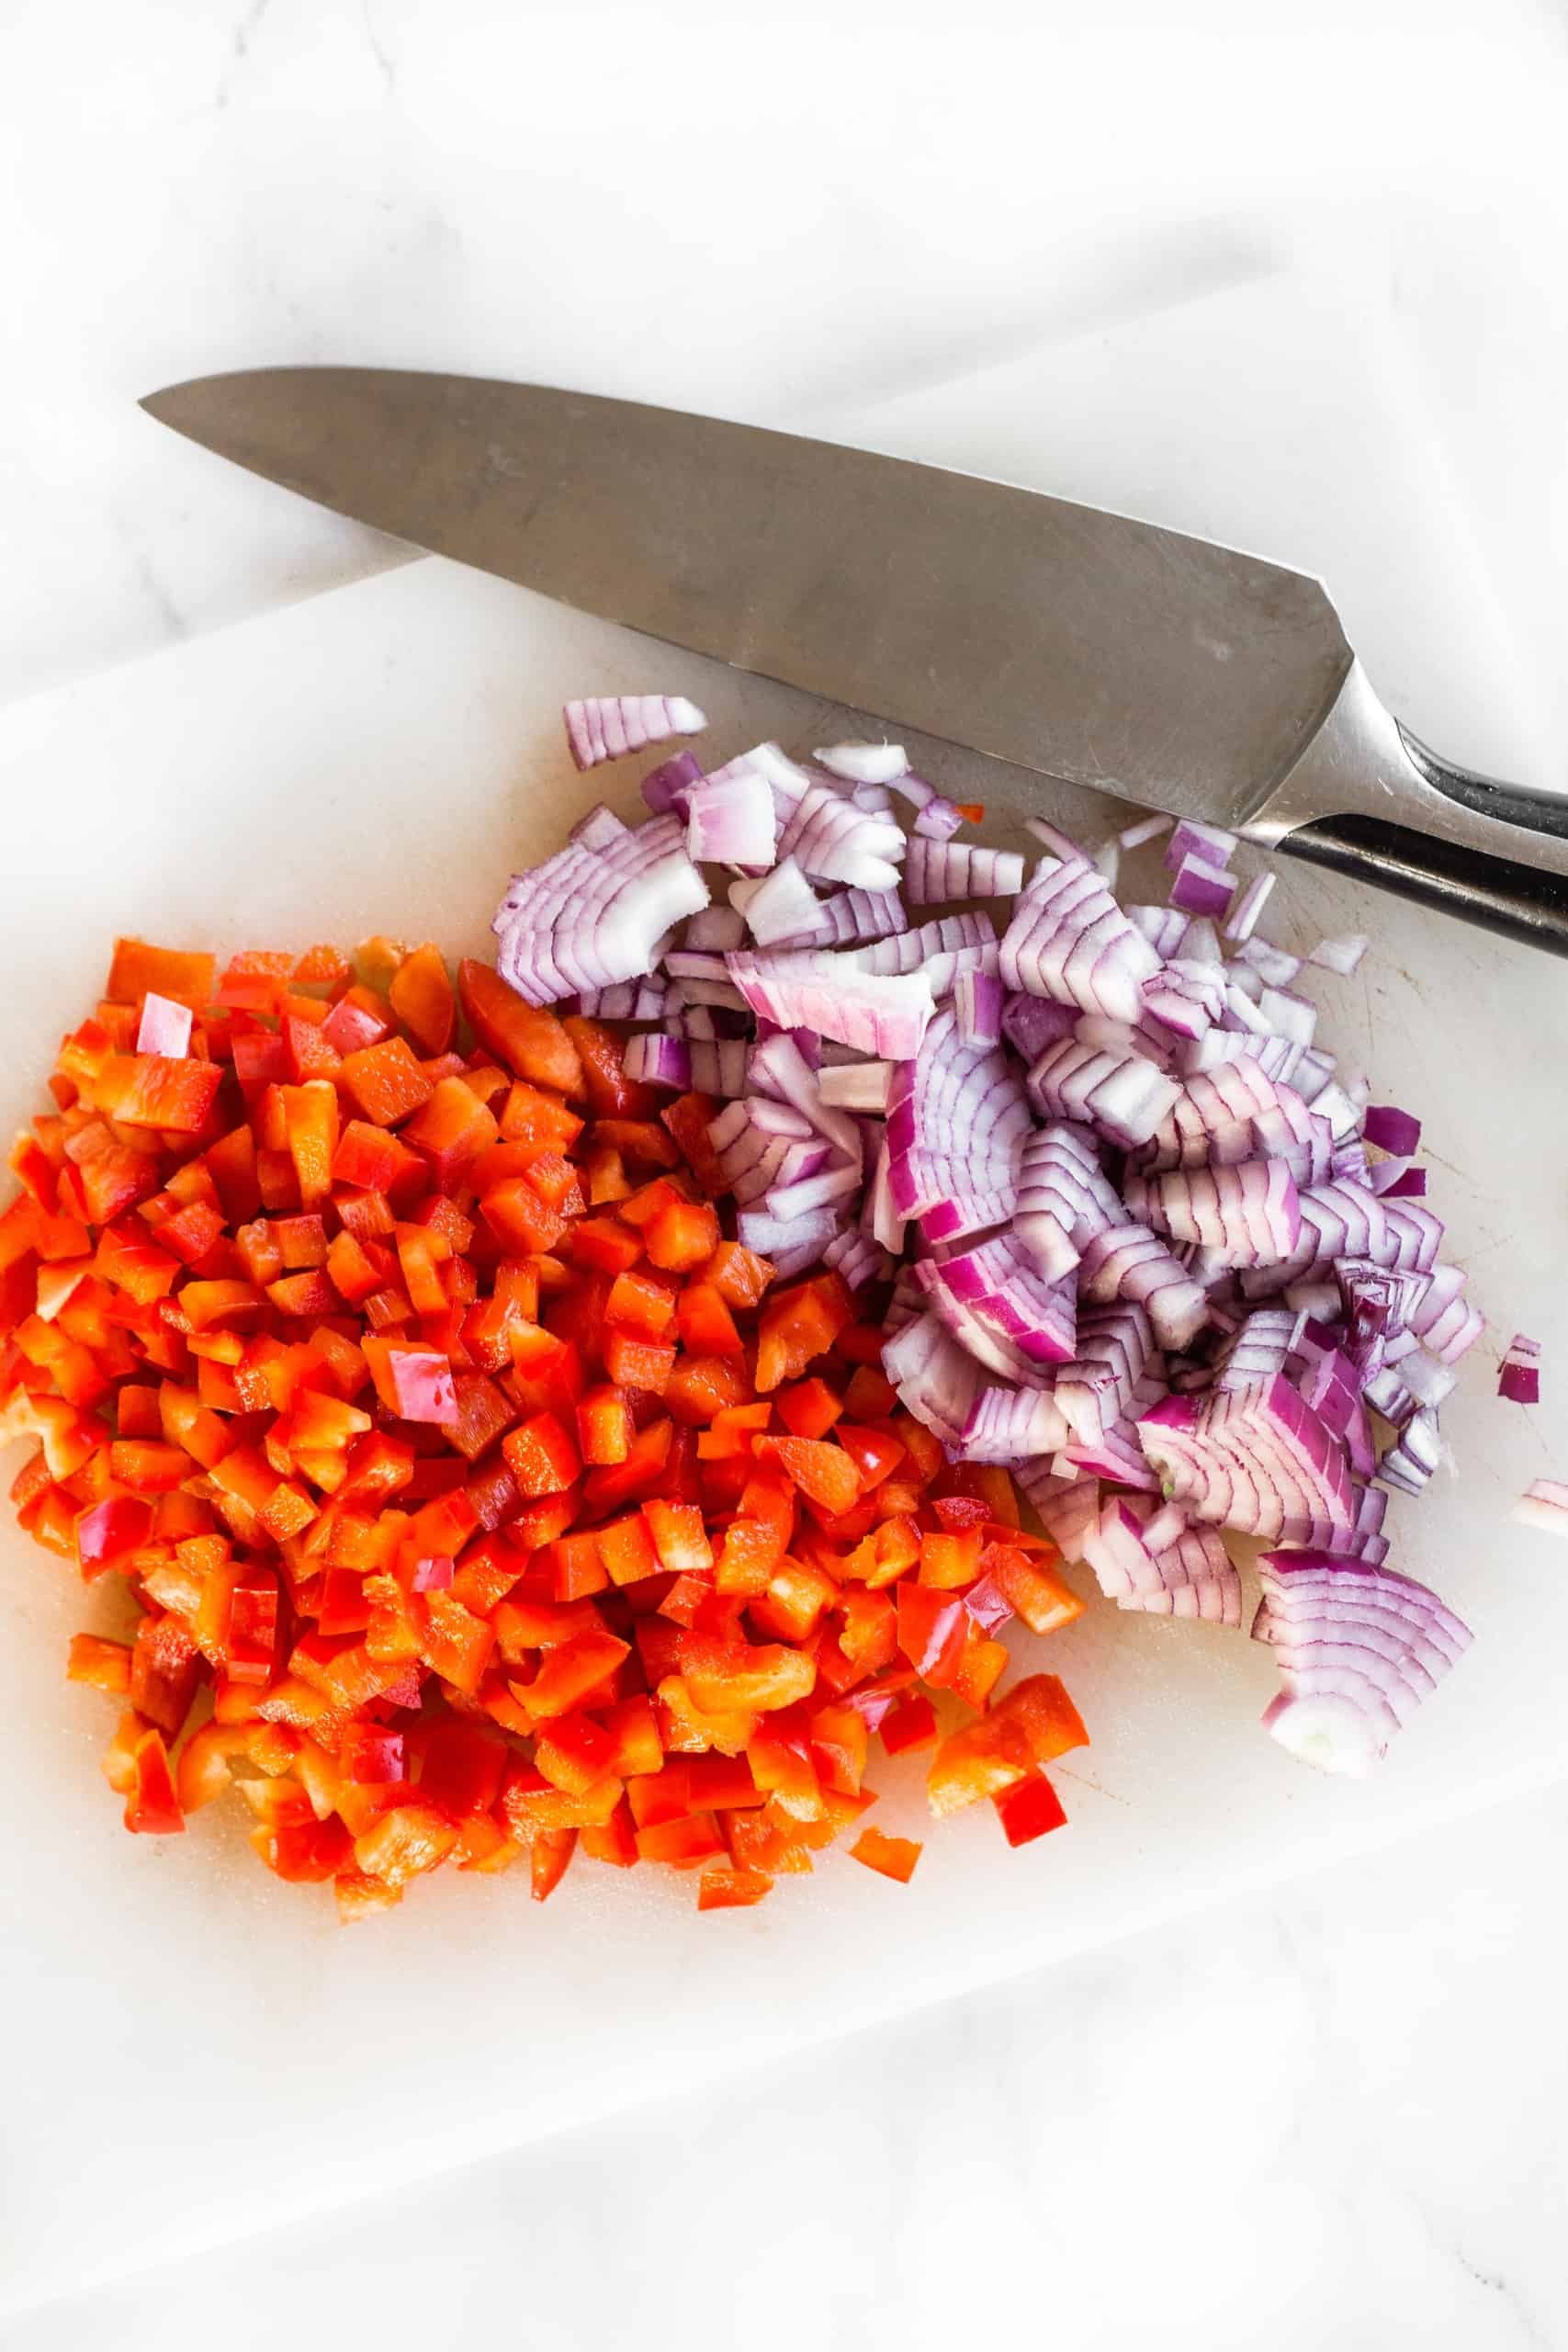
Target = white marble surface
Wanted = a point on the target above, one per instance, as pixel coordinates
(1333, 2119)
(1329, 2116)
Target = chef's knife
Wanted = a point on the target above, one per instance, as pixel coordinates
(1059, 637)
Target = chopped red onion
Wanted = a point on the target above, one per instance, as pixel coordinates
(588, 918)
(605, 726)
(1244, 1214)
(1009, 1424)
(938, 870)
(857, 1086)
(1185, 998)
(1518, 1375)
(666, 786)
(1124, 1097)
(1147, 829)
(1341, 956)
(1543, 1504)
(875, 1013)
(730, 820)
(1070, 939)
(956, 1125)
(1204, 1162)
(1357, 1649)
(655, 1059)
(1126, 1261)
(1068, 1506)
(779, 1065)
(780, 907)
(164, 1027)
(852, 917)
(719, 1067)
(978, 999)
(936, 948)
(714, 930)
(1113, 1347)
(1165, 928)
(1289, 1015)
(864, 763)
(1391, 1130)
(1242, 918)
(937, 1380)
(856, 1256)
(834, 842)
(1256, 1458)
(1064, 1198)
(1030, 1024)
(997, 1281)
(1211, 842)
(1201, 889)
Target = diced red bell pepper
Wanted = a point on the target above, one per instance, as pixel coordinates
(641, 1304)
(152, 1803)
(570, 1670)
(680, 1538)
(825, 1474)
(104, 1665)
(870, 1632)
(701, 1387)
(604, 1425)
(575, 1753)
(610, 1092)
(876, 1453)
(412, 1382)
(1036, 1722)
(519, 1220)
(541, 1455)
(533, 1118)
(739, 1275)
(422, 996)
(461, 1767)
(452, 1129)
(808, 1409)
(932, 1626)
(149, 1090)
(110, 1531)
(723, 1677)
(910, 1724)
(729, 1890)
(895, 1858)
(372, 1756)
(529, 1041)
(549, 1851)
(642, 1472)
(683, 1236)
(949, 1562)
(139, 968)
(688, 1119)
(1029, 1809)
(1040, 1599)
(797, 1326)
(386, 1081)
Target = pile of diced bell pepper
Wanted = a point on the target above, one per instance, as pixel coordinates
(481, 1498)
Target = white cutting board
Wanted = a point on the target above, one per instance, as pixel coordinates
(194, 2051)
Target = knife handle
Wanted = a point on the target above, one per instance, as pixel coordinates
(1370, 801)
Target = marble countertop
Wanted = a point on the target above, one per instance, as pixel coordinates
(1328, 2115)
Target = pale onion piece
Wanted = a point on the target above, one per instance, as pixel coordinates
(864, 763)
(1543, 1504)
(164, 1027)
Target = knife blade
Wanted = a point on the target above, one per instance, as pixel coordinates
(1059, 637)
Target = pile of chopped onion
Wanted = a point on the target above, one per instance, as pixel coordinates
(1147, 1242)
